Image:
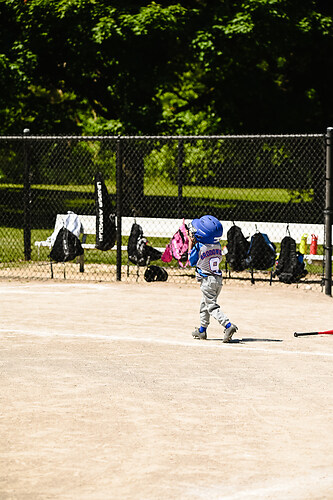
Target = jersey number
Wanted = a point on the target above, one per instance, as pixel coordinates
(214, 264)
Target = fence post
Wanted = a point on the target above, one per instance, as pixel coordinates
(180, 161)
(26, 199)
(328, 213)
(119, 194)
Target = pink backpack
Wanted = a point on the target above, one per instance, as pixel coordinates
(178, 247)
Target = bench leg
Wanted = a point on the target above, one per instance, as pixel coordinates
(51, 266)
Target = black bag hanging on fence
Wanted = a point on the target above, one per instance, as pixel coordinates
(290, 267)
(262, 252)
(237, 247)
(106, 232)
(139, 252)
(66, 247)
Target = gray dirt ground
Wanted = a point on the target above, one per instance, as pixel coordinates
(105, 395)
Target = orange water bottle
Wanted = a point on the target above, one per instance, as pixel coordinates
(314, 244)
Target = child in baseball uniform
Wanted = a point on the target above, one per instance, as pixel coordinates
(205, 253)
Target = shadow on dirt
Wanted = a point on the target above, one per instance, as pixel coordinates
(239, 341)
(261, 340)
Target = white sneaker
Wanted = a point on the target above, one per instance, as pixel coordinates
(228, 332)
(199, 335)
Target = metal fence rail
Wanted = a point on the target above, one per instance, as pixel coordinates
(259, 179)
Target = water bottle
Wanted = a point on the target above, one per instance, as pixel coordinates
(314, 244)
(304, 244)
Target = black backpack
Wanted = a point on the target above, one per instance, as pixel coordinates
(262, 252)
(66, 247)
(139, 252)
(237, 247)
(290, 267)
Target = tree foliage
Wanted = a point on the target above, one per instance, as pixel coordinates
(189, 67)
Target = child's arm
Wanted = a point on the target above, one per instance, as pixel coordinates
(191, 242)
(193, 252)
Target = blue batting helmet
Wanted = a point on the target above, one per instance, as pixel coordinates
(207, 229)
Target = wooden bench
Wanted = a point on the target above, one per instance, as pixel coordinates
(165, 228)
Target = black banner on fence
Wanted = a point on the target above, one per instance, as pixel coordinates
(105, 218)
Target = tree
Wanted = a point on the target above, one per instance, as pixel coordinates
(189, 67)
(262, 66)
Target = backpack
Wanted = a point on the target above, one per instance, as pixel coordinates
(178, 247)
(261, 253)
(139, 252)
(72, 222)
(66, 247)
(237, 247)
(290, 267)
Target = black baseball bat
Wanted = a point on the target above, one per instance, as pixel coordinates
(327, 332)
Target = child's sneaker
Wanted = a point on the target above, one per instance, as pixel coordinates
(199, 335)
(228, 332)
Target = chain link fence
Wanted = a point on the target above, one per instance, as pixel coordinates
(263, 183)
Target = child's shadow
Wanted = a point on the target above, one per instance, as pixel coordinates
(243, 340)
(261, 340)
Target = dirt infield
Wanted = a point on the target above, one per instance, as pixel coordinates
(105, 395)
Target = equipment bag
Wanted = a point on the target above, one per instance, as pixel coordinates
(262, 252)
(177, 248)
(139, 252)
(72, 222)
(106, 232)
(237, 247)
(290, 267)
(66, 247)
(155, 273)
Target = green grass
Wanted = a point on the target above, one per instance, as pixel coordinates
(162, 187)
(79, 188)
(232, 193)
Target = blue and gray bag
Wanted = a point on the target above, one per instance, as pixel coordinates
(261, 254)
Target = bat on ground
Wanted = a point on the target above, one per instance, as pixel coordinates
(326, 332)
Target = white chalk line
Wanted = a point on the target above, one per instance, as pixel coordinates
(148, 340)
(289, 488)
(50, 288)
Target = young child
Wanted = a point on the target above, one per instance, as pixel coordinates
(205, 253)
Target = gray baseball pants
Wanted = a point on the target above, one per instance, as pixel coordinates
(211, 287)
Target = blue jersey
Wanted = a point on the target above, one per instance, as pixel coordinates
(206, 258)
